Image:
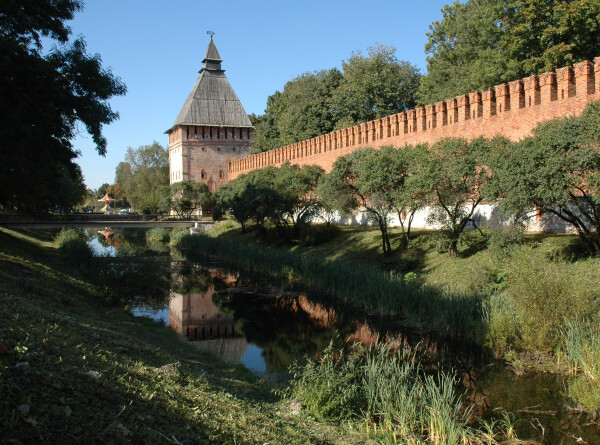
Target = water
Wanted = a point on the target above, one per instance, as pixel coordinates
(266, 324)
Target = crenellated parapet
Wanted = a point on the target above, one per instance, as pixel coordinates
(511, 109)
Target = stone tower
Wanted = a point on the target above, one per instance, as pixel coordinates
(211, 129)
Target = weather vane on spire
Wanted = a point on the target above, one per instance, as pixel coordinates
(211, 34)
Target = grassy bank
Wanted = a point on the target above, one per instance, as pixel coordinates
(78, 371)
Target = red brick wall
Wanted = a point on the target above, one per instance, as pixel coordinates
(206, 152)
(512, 110)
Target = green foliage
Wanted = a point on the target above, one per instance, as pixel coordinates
(282, 195)
(557, 171)
(378, 181)
(185, 197)
(143, 175)
(385, 388)
(582, 344)
(317, 103)
(158, 234)
(73, 244)
(44, 98)
(301, 111)
(457, 177)
(375, 86)
(481, 43)
(501, 240)
(538, 297)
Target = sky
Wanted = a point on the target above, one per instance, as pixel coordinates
(156, 47)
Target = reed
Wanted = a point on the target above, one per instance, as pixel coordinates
(388, 393)
(455, 315)
(582, 345)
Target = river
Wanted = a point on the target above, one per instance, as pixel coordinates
(266, 324)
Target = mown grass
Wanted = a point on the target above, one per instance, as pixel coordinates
(150, 387)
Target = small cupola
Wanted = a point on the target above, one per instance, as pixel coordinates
(212, 59)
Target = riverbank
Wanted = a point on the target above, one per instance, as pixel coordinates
(513, 293)
(78, 371)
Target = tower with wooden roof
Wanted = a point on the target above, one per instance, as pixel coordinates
(211, 129)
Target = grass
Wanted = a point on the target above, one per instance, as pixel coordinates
(388, 394)
(150, 388)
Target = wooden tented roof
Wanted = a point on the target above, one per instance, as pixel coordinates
(212, 101)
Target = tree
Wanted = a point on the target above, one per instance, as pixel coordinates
(458, 175)
(362, 180)
(234, 197)
(143, 173)
(299, 203)
(188, 196)
(557, 171)
(482, 43)
(374, 86)
(317, 103)
(301, 111)
(43, 97)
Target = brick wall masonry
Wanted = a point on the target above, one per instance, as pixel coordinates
(513, 110)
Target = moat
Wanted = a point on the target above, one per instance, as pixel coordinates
(266, 324)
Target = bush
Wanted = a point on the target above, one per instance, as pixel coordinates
(158, 234)
(501, 240)
(73, 244)
(176, 235)
(538, 293)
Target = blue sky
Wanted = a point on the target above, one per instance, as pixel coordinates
(156, 47)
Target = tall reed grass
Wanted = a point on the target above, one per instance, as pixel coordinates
(448, 314)
(389, 395)
(582, 345)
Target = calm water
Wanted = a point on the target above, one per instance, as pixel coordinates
(265, 325)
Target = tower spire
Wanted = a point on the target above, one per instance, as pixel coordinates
(212, 59)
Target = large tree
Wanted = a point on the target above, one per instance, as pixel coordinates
(374, 86)
(371, 86)
(481, 43)
(457, 175)
(43, 96)
(143, 174)
(301, 111)
(557, 172)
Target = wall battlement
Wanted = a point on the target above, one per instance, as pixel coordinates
(511, 109)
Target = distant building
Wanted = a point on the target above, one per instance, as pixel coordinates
(211, 129)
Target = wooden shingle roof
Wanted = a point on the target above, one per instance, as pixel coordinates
(212, 101)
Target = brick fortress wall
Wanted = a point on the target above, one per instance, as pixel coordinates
(512, 110)
(202, 154)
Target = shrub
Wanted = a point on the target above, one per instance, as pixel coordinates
(501, 240)
(158, 234)
(177, 233)
(539, 293)
(73, 244)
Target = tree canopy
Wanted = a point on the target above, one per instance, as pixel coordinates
(142, 175)
(313, 104)
(557, 171)
(481, 43)
(43, 97)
